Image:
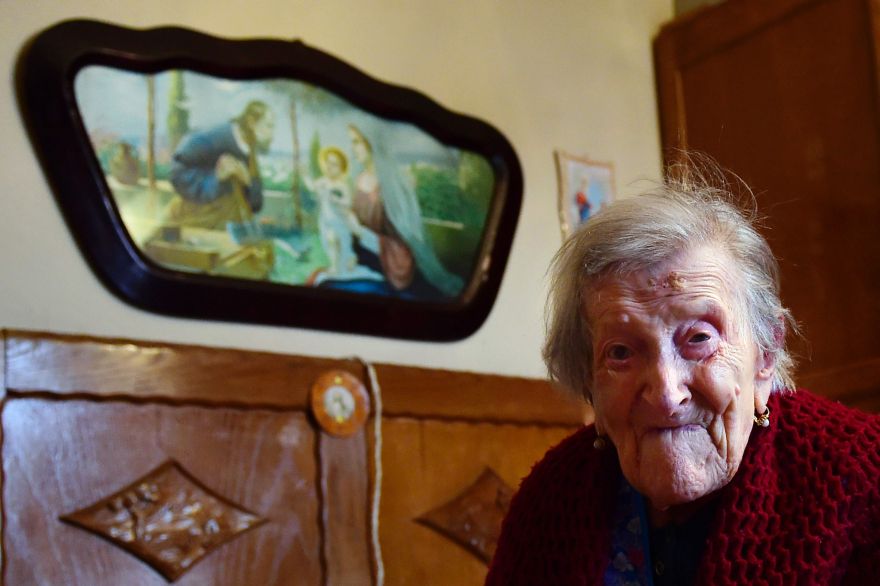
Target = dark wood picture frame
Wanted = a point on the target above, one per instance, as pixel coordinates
(45, 78)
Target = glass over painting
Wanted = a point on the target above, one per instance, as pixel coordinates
(311, 191)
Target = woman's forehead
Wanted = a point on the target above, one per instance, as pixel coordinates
(614, 314)
(701, 280)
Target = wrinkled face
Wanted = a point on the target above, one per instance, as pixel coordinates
(677, 376)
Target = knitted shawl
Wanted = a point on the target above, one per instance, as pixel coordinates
(803, 508)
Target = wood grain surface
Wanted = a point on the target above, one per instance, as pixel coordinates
(156, 371)
(60, 456)
(85, 417)
(428, 463)
(444, 394)
(345, 484)
(785, 95)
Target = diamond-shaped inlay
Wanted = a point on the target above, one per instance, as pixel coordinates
(473, 518)
(167, 518)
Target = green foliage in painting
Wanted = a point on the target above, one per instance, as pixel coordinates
(298, 270)
(438, 192)
(315, 156)
(178, 114)
(477, 179)
(454, 205)
(309, 204)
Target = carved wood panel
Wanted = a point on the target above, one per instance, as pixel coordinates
(430, 463)
(85, 420)
(63, 455)
(166, 518)
(473, 518)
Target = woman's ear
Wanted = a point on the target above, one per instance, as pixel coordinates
(764, 374)
(588, 397)
(766, 366)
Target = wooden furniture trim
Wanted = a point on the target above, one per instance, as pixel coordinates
(670, 98)
(714, 29)
(61, 368)
(872, 17)
(859, 384)
(697, 35)
(117, 369)
(445, 394)
(345, 486)
(43, 363)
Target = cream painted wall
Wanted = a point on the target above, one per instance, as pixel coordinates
(575, 75)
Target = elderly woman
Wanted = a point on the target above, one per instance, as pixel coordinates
(702, 466)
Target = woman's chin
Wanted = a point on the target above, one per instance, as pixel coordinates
(664, 498)
(674, 466)
(668, 480)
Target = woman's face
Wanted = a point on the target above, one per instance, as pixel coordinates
(359, 147)
(677, 376)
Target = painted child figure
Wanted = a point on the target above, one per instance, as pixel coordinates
(334, 200)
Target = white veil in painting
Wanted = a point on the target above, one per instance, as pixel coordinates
(392, 146)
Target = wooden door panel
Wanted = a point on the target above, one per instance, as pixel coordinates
(784, 93)
(428, 463)
(783, 110)
(62, 455)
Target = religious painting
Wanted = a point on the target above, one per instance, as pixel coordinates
(272, 172)
(585, 187)
(281, 180)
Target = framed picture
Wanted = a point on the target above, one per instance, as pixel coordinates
(585, 187)
(267, 181)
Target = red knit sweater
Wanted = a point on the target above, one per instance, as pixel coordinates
(803, 508)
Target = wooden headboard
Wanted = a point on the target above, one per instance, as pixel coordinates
(112, 448)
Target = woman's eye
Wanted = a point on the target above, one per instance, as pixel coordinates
(699, 338)
(618, 352)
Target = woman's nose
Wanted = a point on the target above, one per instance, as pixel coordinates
(665, 385)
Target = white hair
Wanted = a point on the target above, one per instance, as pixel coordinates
(694, 206)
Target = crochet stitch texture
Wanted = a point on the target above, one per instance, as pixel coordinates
(803, 508)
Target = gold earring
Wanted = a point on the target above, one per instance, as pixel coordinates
(763, 420)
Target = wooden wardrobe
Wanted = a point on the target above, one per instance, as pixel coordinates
(132, 463)
(785, 94)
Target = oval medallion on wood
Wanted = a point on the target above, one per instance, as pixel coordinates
(340, 403)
